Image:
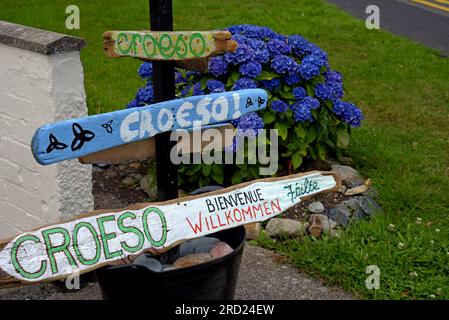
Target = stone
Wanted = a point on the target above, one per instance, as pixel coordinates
(192, 259)
(342, 189)
(204, 248)
(131, 180)
(356, 190)
(349, 176)
(333, 233)
(351, 204)
(340, 215)
(206, 189)
(277, 228)
(148, 262)
(147, 185)
(186, 248)
(369, 205)
(189, 247)
(316, 207)
(316, 226)
(135, 165)
(252, 230)
(358, 214)
(168, 267)
(326, 223)
(221, 249)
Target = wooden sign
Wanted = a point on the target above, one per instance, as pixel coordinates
(76, 138)
(146, 149)
(105, 237)
(165, 45)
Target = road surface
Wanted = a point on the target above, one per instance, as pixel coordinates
(424, 21)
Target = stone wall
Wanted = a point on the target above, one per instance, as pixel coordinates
(41, 81)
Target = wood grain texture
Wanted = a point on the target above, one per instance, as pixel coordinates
(76, 138)
(164, 45)
(271, 197)
(146, 149)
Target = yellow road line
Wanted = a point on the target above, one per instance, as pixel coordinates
(433, 5)
(442, 1)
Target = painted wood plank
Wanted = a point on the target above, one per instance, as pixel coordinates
(76, 138)
(165, 45)
(146, 149)
(107, 237)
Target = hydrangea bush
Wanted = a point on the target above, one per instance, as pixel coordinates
(305, 98)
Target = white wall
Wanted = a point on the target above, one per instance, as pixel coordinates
(36, 89)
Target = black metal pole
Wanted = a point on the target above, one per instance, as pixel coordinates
(161, 19)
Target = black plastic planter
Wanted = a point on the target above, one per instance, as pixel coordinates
(213, 280)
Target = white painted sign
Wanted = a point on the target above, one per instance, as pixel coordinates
(99, 239)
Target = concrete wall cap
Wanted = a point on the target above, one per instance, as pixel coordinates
(38, 40)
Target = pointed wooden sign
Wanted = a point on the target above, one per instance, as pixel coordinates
(167, 45)
(106, 237)
(76, 138)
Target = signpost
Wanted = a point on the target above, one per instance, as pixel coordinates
(103, 237)
(106, 237)
(76, 138)
(164, 45)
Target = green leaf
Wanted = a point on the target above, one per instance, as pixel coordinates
(300, 132)
(207, 168)
(218, 178)
(282, 129)
(342, 138)
(267, 75)
(269, 117)
(296, 160)
(310, 135)
(322, 151)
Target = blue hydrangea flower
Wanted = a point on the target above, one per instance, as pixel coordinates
(348, 113)
(145, 95)
(192, 73)
(215, 86)
(197, 91)
(133, 104)
(250, 69)
(243, 54)
(218, 66)
(251, 121)
(282, 64)
(252, 31)
(299, 93)
(323, 91)
(310, 103)
(279, 106)
(293, 79)
(261, 52)
(272, 84)
(333, 76)
(278, 47)
(299, 44)
(145, 70)
(301, 113)
(179, 78)
(244, 83)
(308, 70)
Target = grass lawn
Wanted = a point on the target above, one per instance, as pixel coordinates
(402, 87)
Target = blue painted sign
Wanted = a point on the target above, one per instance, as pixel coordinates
(75, 138)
